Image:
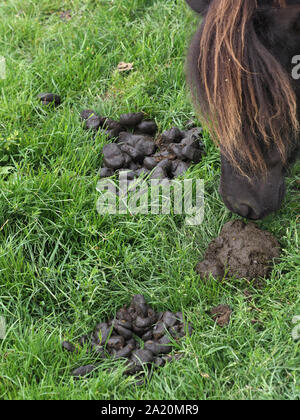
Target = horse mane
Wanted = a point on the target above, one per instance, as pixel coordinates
(242, 92)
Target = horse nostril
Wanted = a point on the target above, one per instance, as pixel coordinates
(243, 210)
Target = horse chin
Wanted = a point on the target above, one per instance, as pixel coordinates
(253, 198)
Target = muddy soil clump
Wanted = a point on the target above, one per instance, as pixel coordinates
(242, 251)
(221, 315)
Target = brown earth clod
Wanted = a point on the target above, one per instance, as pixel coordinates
(221, 314)
(242, 251)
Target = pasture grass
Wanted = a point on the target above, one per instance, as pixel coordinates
(63, 267)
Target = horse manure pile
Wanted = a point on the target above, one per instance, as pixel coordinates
(137, 334)
(49, 98)
(242, 251)
(136, 150)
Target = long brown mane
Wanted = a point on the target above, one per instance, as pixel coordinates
(244, 95)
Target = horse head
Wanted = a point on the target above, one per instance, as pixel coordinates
(240, 66)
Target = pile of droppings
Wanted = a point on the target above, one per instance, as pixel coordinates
(138, 334)
(136, 150)
(49, 98)
(241, 251)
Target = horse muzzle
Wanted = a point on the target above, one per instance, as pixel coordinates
(252, 198)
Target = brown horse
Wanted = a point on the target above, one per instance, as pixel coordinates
(240, 68)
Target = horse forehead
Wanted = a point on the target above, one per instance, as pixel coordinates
(283, 16)
(292, 2)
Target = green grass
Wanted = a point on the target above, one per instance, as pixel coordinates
(63, 267)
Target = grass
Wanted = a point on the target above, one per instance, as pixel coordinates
(63, 267)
